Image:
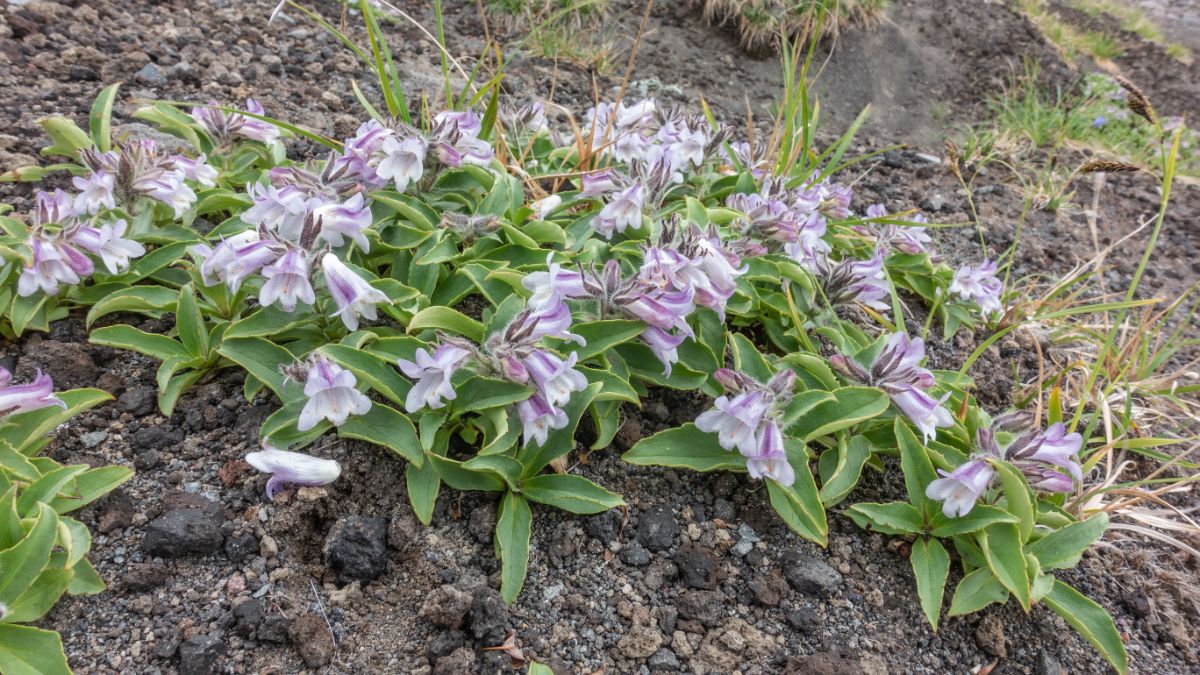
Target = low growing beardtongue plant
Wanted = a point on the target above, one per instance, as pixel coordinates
(405, 290)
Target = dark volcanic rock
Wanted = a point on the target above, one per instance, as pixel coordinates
(461, 660)
(138, 401)
(697, 567)
(69, 364)
(809, 575)
(657, 528)
(198, 656)
(241, 546)
(446, 607)
(489, 616)
(311, 636)
(142, 577)
(116, 513)
(194, 529)
(356, 548)
(707, 607)
(604, 526)
(444, 644)
(769, 588)
(635, 554)
(275, 629)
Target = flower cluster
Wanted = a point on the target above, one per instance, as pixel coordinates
(330, 391)
(898, 371)
(747, 419)
(136, 170)
(55, 255)
(1047, 458)
(979, 285)
(910, 239)
(514, 354)
(224, 127)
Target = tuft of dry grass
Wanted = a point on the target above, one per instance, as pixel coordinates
(759, 22)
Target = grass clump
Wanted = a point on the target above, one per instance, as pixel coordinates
(1133, 20)
(760, 21)
(569, 30)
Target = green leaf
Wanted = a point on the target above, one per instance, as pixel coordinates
(644, 364)
(1092, 622)
(560, 441)
(513, 526)
(1001, 543)
(613, 386)
(503, 467)
(801, 404)
(931, 565)
(570, 493)
(33, 604)
(914, 463)
(851, 406)
(100, 118)
(169, 395)
(460, 478)
(385, 426)
(602, 336)
(143, 299)
(1018, 496)
(979, 517)
(267, 321)
(1062, 548)
(90, 486)
(31, 651)
(977, 590)
(21, 564)
(890, 518)
(153, 345)
(261, 358)
(423, 483)
(44, 489)
(851, 457)
(25, 430)
(748, 360)
(799, 505)
(75, 540)
(444, 318)
(685, 447)
(155, 260)
(67, 138)
(190, 323)
(481, 393)
(26, 311)
(87, 581)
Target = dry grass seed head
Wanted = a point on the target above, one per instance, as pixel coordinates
(1138, 102)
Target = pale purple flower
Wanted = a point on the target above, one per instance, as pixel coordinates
(404, 160)
(53, 262)
(331, 395)
(664, 309)
(237, 263)
(287, 281)
(685, 140)
(456, 139)
(979, 284)
(556, 378)
(352, 295)
(599, 183)
(869, 285)
(736, 420)
(960, 489)
(543, 207)
(95, 192)
(293, 468)
(431, 375)
(900, 361)
(623, 211)
(216, 261)
(925, 411)
(553, 320)
(196, 169)
(54, 207)
(664, 345)
(712, 273)
(549, 287)
(538, 419)
(223, 125)
(769, 459)
(280, 209)
(19, 398)
(167, 187)
(348, 219)
(1048, 480)
(621, 131)
(1036, 452)
(109, 243)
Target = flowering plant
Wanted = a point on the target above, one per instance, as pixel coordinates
(464, 288)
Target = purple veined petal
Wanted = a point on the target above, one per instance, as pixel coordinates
(553, 320)
(1060, 449)
(1048, 480)
(979, 285)
(961, 489)
(538, 419)
(25, 397)
(280, 209)
(432, 375)
(599, 183)
(925, 411)
(196, 169)
(623, 211)
(216, 260)
(331, 395)
(736, 421)
(287, 281)
(95, 192)
(555, 378)
(549, 287)
(54, 207)
(348, 219)
(255, 129)
(247, 260)
(292, 467)
(664, 345)
(351, 294)
(53, 263)
(403, 162)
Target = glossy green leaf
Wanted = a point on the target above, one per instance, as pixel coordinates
(570, 493)
(1092, 622)
(444, 318)
(22, 563)
(153, 345)
(850, 458)
(931, 565)
(851, 406)
(514, 522)
(387, 427)
(890, 518)
(977, 590)
(748, 360)
(261, 358)
(918, 470)
(979, 517)
(100, 117)
(143, 299)
(602, 336)
(423, 483)
(481, 393)
(1018, 497)
(1001, 544)
(1062, 548)
(685, 447)
(800, 505)
(25, 650)
(190, 323)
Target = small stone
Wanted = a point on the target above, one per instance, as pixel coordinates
(356, 548)
(640, 642)
(184, 532)
(93, 438)
(489, 616)
(635, 554)
(810, 575)
(138, 401)
(707, 607)
(444, 644)
(249, 614)
(1046, 664)
(198, 656)
(446, 607)
(403, 531)
(461, 660)
(697, 567)
(989, 635)
(482, 523)
(275, 629)
(82, 73)
(657, 528)
(934, 203)
(116, 513)
(769, 588)
(803, 619)
(604, 526)
(241, 546)
(151, 75)
(138, 577)
(311, 636)
(147, 460)
(663, 659)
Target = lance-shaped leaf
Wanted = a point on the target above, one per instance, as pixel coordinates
(570, 493)
(1092, 622)
(931, 565)
(685, 447)
(514, 523)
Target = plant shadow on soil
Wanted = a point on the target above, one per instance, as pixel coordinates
(698, 576)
